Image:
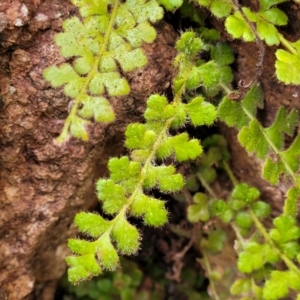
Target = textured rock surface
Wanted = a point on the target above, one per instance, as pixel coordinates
(42, 186)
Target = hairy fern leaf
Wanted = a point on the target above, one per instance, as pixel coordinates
(109, 35)
(124, 193)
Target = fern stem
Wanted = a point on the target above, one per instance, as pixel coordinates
(208, 269)
(65, 131)
(226, 89)
(287, 44)
(230, 173)
(206, 185)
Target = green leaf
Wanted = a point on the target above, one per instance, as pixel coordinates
(124, 171)
(287, 67)
(107, 253)
(164, 177)
(153, 210)
(222, 54)
(184, 148)
(272, 171)
(143, 32)
(137, 136)
(253, 139)
(268, 32)
(237, 113)
(290, 249)
(279, 283)
(171, 4)
(286, 229)
(261, 209)
(78, 128)
(112, 195)
(61, 75)
(255, 257)
(189, 44)
(237, 27)
(283, 123)
(291, 155)
(198, 211)
(88, 8)
(209, 74)
(222, 210)
(232, 113)
(241, 286)
(201, 112)
(81, 246)
(220, 8)
(266, 4)
(244, 220)
(180, 116)
(145, 10)
(126, 236)
(245, 193)
(82, 267)
(215, 242)
(275, 16)
(130, 60)
(83, 65)
(155, 213)
(98, 108)
(158, 109)
(91, 224)
(291, 202)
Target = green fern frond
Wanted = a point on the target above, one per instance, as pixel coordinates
(123, 194)
(264, 141)
(265, 19)
(109, 35)
(259, 249)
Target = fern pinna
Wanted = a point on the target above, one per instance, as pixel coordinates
(123, 194)
(106, 41)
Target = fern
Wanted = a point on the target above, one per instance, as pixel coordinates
(259, 249)
(110, 34)
(123, 194)
(267, 143)
(266, 20)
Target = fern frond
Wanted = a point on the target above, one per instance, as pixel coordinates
(123, 194)
(267, 143)
(266, 20)
(109, 35)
